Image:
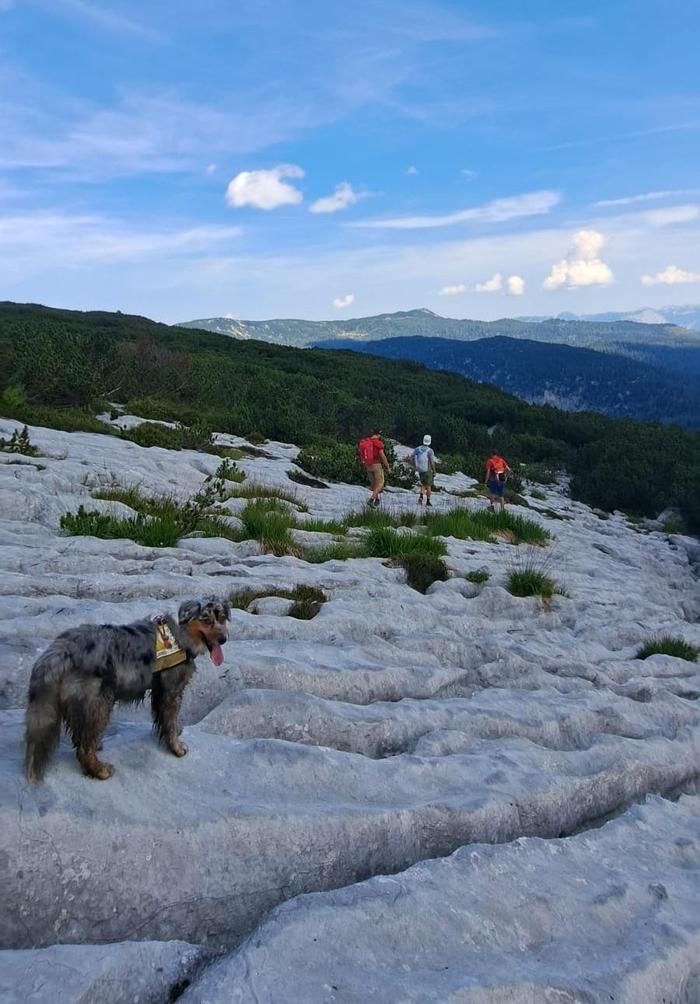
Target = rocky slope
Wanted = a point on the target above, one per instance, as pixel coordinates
(436, 770)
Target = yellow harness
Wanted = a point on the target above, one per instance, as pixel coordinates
(168, 652)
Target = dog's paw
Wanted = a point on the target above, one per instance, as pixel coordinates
(179, 749)
(104, 772)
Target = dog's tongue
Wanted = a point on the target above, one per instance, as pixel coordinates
(217, 654)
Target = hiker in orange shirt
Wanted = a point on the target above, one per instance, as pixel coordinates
(497, 471)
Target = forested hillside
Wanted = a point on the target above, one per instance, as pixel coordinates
(60, 366)
(575, 379)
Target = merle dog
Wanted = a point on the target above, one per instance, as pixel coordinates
(87, 669)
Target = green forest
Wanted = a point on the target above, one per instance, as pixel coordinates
(60, 367)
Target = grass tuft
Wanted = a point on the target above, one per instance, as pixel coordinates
(668, 645)
(307, 600)
(268, 520)
(384, 542)
(531, 582)
(422, 569)
(251, 490)
(478, 577)
(482, 524)
(159, 531)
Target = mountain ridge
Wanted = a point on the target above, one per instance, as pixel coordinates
(685, 316)
(422, 322)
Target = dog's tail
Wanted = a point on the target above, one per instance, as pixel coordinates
(43, 718)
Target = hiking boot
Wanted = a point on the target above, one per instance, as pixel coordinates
(419, 500)
(428, 502)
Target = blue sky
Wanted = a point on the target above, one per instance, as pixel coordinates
(267, 158)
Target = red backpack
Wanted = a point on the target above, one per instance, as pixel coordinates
(366, 451)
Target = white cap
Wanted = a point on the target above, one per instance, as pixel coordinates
(427, 440)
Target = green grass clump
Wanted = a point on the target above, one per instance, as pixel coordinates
(307, 600)
(323, 526)
(256, 491)
(668, 645)
(159, 531)
(381, 517)
(482, 524)
(531, 582)
(478, 577)
(268, 520)
(384, 542)
(537, 494)
(422, 569)
(340, 550)
(460, 523)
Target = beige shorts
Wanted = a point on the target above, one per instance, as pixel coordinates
(375, 473)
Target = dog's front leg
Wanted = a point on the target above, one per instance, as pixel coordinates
(166, 697)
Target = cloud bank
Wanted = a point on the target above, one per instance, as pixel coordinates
(671, 276)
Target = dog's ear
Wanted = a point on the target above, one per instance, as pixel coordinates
(227, 609)
(188, 611)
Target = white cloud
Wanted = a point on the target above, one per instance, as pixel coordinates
(582, 267)
(629, 200)
(498, 211)
(453, 290)
(411, 169)
(671, 276)
(343, 301)
(265, 189)
(674, 214)
(343, 196)
(468, 173)
(516, 285)
(492, 285)
(210, 169)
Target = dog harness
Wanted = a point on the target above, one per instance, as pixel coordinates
(168, 652)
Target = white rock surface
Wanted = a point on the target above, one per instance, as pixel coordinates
(140, 972)
(578, 921)
(393, 728)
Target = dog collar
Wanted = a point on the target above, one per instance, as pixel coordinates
(168, 652)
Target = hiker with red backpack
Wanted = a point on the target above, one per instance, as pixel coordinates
(497, 471)
(370, 452)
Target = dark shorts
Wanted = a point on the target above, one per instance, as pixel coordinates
(496, 487)
(427, 478)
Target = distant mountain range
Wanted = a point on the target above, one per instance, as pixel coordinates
(573, 379)
(684, 317)
(602, 333)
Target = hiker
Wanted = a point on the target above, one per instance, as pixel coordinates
(372, 457)
(497, 471)
(424, 463)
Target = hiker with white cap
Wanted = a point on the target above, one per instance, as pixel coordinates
(425, 463)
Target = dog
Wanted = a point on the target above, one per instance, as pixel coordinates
(85, 670)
